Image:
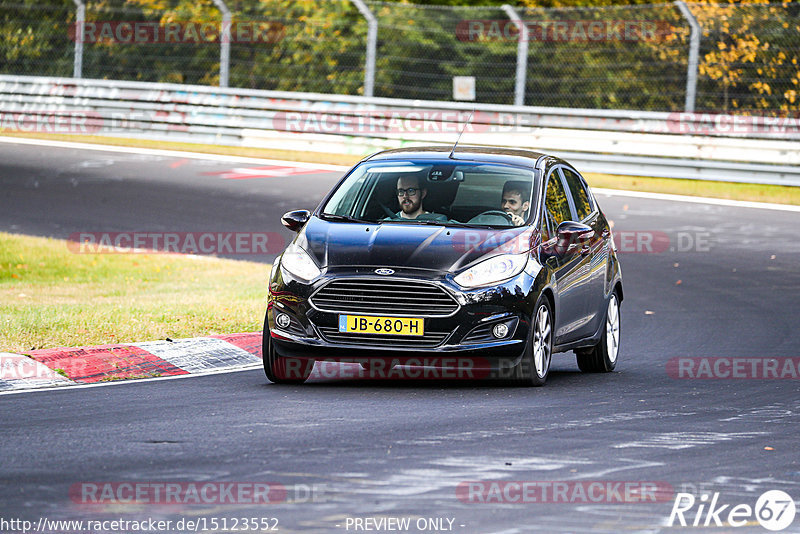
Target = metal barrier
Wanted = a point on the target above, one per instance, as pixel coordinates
(679, 145)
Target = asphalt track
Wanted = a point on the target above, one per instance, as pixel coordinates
(398, 448)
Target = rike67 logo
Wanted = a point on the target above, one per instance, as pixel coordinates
(774, 510)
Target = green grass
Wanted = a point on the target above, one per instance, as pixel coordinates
(778, 194)
(52, 297)
(703, 188)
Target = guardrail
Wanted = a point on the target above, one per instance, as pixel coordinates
(679, 145)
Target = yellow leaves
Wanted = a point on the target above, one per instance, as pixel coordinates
(761, 87)
(790, 95)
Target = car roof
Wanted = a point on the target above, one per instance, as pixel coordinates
(509, 156)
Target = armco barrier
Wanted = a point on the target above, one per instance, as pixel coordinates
(696, 146)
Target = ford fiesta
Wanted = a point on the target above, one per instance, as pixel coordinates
(494, 257)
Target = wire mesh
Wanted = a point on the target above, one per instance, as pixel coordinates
(612, 57)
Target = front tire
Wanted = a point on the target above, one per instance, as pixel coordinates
(534, 367)
(280, 370)
(602, 358)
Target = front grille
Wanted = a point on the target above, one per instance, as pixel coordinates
(428, 340)
(385, 297)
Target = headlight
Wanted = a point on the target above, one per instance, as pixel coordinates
(299, 264)
(493, 270)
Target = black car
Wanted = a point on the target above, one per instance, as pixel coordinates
(496, 257)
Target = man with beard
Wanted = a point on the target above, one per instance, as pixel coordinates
(410, 195)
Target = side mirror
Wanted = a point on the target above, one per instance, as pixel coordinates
(570, 233)
(294, 220)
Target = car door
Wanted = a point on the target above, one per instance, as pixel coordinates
(594, 250)
(566, 264)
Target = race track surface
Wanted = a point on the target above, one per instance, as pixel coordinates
(723, 284)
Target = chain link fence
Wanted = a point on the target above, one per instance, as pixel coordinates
(612, 57)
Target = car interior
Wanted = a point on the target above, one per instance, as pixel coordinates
(465, 197)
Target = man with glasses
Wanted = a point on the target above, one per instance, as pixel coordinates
(410, 194)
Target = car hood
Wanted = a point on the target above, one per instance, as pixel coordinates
(335, 244)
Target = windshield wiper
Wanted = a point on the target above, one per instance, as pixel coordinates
(344, 218)
(415, 221)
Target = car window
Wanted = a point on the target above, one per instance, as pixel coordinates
(556, 200)
(481, 194)
(548, 231)
(580, 197)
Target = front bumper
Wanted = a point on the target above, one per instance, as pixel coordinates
(465, 333)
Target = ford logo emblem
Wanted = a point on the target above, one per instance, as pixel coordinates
(384, 272)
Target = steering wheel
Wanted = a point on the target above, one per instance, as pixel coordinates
(499, 212)
(388, 212)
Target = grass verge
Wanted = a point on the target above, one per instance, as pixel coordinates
(778, 194)
(267, 153)
(52, 297)
(702, 188)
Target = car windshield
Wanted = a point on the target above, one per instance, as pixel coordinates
(434, 192)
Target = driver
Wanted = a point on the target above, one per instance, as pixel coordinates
(410, 194)
(515, 200)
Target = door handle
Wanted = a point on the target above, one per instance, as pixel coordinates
(585, 249)
(606, 234)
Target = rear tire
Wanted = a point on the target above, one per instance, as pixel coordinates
(280, 370)
(534, 367)
(602, 358)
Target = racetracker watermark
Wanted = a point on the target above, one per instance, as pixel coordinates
(566, 31)
(203, 243)
(46, 120)
(569, 491)
(733, 368)
(412, 368)
(18, 367)
(719, 124)
(657, 242)
(387, 121)
(517, 241)
(176, 32)
(203, 493)
(63, 122)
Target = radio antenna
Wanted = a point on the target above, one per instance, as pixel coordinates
(452, 152)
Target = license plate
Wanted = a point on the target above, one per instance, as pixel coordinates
(367, 324)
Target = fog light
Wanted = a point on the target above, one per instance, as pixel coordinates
(500, 331)
(282, 320)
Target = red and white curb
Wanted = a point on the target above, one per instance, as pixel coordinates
(150, 359)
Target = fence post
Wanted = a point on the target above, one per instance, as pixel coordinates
(372, 44)
(224, 43)
(80, 16)
(522, 55)
(694, 54)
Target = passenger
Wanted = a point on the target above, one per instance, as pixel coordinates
(516, 195)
